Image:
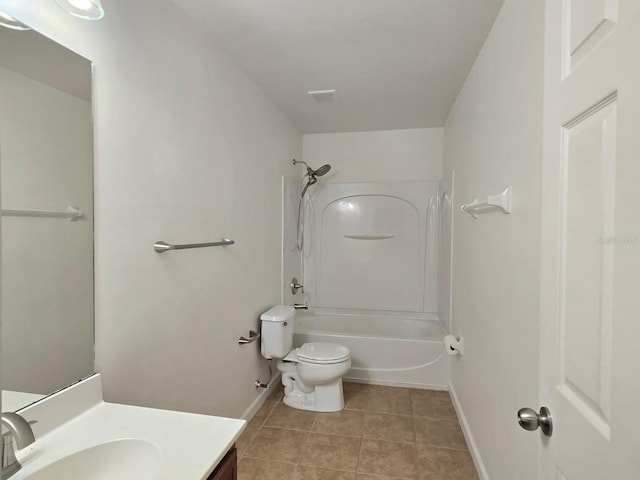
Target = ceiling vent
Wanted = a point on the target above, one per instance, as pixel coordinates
(323, 96)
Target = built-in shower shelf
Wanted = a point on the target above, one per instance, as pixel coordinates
(499, 202)
(369, 237)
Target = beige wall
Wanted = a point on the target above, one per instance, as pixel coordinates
(187, 150)
(493, 139)
(378, 156)
(47, 269)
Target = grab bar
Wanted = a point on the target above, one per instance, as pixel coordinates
(253, 336)
(162, 247)
(369, 237)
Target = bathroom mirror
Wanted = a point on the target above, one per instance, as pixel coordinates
(46, 186)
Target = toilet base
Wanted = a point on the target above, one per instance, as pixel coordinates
(323, 398)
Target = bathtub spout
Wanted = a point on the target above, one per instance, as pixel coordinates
(301, 306)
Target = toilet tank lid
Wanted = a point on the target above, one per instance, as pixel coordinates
(279, 313)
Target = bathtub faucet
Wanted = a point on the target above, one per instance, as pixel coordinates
(301, 306)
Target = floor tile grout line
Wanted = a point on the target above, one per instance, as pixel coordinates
(415, 444)
(251, 442)
(271, 461)
(313, 424)
(316, 467)
(440, 447)
(359, 452)
(304, 444)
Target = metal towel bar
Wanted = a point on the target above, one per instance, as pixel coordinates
(72, 213)
(162, 247)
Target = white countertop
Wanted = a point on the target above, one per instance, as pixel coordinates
(192, 445)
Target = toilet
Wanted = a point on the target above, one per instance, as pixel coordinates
(312, 374)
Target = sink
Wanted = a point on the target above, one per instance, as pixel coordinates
(123, 459)
(79, 436)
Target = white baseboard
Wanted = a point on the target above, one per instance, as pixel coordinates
(473, 447)
(260, 399)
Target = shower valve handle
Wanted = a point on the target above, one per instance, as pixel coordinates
(295, 286)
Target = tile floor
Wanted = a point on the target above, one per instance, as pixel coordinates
(383, 433)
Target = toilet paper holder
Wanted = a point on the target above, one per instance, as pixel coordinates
(253, 336)
(454, 345)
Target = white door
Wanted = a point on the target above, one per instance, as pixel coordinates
(590, 304)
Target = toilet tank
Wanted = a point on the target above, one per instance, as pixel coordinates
(277, 331)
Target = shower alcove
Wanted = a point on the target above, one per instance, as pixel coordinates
(370, 269)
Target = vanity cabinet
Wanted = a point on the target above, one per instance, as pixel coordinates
(227, 469)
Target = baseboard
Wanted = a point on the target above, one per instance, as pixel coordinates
(260, 399)
(473, 447)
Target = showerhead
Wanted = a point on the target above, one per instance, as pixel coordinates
(323, 170)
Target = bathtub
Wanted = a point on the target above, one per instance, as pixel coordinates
(386, 348)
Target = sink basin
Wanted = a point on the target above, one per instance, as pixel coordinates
(124, 459)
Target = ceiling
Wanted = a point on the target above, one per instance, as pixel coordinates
(394, 63)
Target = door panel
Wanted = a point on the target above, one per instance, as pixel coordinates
(591, 240)
(587, 23)
(588, 193)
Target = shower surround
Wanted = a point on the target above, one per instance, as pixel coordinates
(370, 270)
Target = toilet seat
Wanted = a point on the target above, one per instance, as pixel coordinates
(321, 353)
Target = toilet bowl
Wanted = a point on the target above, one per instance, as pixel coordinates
(312, 374)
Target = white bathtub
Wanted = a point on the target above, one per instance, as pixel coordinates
(385, 349)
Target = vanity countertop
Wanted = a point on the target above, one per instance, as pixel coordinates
(191, 445)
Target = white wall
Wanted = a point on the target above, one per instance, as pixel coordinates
(47, 269)
(187, 150)
(492, 139)
(387, 155)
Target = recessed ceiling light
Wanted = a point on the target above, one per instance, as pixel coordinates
(9, 22)
(323, 95)
(87, 9)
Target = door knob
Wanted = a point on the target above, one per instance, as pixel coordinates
(530, 420)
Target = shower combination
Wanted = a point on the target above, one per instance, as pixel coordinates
(312, 178)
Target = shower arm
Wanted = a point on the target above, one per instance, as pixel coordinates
(295, 162)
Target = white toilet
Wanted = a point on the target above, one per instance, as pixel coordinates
(312, 374)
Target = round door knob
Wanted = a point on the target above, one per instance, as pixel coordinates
(530, 420)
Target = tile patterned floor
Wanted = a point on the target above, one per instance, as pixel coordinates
(384, 433)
